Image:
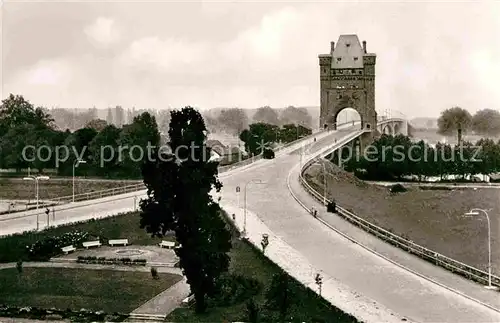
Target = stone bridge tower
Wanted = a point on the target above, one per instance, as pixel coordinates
(347, 77)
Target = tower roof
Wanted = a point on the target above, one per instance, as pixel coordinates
(348, 52)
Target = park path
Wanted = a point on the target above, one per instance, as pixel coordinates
(167, 301)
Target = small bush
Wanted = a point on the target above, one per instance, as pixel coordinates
(233, 289)
(398, 188)
(19, 266)
(154, 273)
(253, 311)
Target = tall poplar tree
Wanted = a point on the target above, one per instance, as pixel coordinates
(179, 198)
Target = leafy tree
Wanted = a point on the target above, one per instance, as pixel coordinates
(104, 151)
(78, 145)
(486, 122)
(16, 111)
(292, 132)
(489, 156)
(293, 115)
(96, 124)
(141, 133)
(233, 120)
(266, 115)
(258, 137)
(179, 198)
(454, 120)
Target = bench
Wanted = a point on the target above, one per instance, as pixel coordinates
(89, 244)
(68, 249)
(187, 300)
(167, 244)
(118, 242)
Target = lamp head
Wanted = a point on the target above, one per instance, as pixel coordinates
(471, 213)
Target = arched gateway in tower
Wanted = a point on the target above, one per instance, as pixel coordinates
(347, 77)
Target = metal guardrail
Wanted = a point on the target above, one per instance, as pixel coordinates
(434, 257)
(99, 194)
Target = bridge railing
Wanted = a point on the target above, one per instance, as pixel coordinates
(223, 169)
(432, 256)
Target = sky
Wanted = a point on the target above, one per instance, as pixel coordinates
(156, 55)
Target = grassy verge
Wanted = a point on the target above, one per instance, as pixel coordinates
(246, 260)
(431, 218)
(13, 248)
(63, 288)
(17, 189)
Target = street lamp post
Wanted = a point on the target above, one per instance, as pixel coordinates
(75, 164)
(476, 212)
(36, 179)
(256, 181)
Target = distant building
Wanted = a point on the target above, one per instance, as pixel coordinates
(223, 154)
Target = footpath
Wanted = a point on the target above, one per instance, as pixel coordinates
(297, 266)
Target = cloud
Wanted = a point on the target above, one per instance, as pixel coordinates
(169, 54)
(268, 55)
(103, 31)
(256, 47)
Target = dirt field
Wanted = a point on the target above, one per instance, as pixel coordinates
(17, 189)
(432, 218)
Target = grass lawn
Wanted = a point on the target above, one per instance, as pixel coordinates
(13, 248)
(431, 218)
(246, 260)
(17, 189)
(62, 288)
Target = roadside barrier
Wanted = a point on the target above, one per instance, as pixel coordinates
(434, 257)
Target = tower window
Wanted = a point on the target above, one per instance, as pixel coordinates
(339, 59)
(360, 72)
(339, 96)
(355, 58)
(353, 71)
(347, 45)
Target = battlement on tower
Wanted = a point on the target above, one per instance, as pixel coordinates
(347, 77)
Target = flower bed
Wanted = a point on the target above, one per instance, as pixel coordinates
(111, 261)
(51, 246)
(83, 315)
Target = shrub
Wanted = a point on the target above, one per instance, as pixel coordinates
(252, 311)
(233, 289)
(154, 273)
(51, 246)
(19, 266)
(397, 188)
